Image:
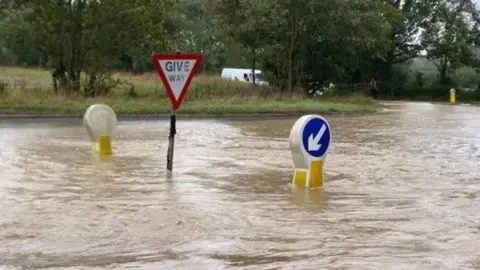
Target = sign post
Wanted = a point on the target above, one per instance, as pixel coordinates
(310, 139)
(176, 71)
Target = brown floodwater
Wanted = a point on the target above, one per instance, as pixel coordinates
(402, 192)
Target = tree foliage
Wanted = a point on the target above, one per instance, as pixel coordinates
(297, 43)
(86, 37)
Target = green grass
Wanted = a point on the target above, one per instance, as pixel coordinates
(28, 91)
(78, 107)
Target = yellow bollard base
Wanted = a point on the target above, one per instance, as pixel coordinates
(452, 99)
(311, 178)
(300, 177)
(315, 175)
(95, 147)
(103, 147)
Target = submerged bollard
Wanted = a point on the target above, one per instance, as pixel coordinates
(452, 96)
(310, 139)
(100, 121)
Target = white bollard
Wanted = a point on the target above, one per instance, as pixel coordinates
(100, 121)
(310, 139)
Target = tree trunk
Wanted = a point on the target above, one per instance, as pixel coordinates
(75, 65)
(55, 83)
(59, 77)
(443, 69)
(254, 51)
(386, 66)
(90, 87)
(290, 70)
(291, 49)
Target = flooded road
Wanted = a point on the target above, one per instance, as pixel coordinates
(402, 192)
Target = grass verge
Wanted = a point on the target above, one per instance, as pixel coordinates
(28, 91)
(214, 107)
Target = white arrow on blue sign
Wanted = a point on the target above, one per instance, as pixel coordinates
(316, 137)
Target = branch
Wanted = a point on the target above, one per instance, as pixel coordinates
(403, 57)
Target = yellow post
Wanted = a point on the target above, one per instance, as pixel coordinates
(105, 146)
(452, 96)
(300, 177)
(315, 175)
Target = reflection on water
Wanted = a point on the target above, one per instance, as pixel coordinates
(402, 191)
(314, 200)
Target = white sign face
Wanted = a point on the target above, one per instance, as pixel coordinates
(100, 120)
(177, 73)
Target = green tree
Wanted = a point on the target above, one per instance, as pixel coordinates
(199, 34)
(294, 33)
(448, 37)
(245, 22)
(86, 37)
(407, 22)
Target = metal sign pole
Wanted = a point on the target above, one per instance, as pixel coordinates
(171, 139)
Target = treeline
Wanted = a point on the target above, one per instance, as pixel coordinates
(298, 44)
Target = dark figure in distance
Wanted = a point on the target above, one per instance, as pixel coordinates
(373, 87)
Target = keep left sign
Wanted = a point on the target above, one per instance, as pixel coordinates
(176, 72)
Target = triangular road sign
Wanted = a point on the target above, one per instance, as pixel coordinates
(176, 70)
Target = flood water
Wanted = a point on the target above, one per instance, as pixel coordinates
(402, 192)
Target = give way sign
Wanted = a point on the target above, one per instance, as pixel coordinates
(176, 70)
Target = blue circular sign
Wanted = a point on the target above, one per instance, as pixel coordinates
(316, 137)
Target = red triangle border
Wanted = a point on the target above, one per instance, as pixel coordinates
(176, 56)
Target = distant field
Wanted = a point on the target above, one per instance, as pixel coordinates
(28, 90)
(22, 78)
(465, 77)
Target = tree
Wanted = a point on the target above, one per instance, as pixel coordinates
(407, 23)
(198, 33)
(245, 22)
(85, 36)
(448, 36)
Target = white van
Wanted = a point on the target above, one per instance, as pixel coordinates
(243, 74)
